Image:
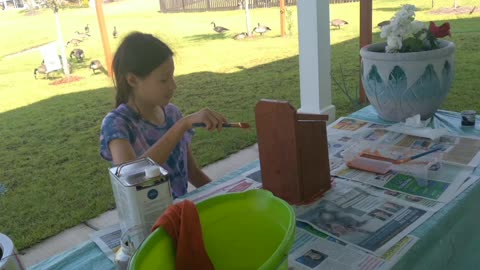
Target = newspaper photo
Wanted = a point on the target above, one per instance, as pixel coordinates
(351, 214)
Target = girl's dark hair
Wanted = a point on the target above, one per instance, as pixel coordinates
(139, 54)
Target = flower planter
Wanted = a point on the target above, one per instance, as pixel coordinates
(400, 85)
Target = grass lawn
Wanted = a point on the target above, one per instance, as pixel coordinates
(51, 174)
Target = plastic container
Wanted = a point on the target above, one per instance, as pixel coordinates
(419, 167)
(249, 230)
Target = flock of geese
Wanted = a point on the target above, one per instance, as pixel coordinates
(95, 65)
(77, 53)
(259, 29)
(263, 29)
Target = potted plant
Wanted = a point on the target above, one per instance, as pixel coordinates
(412, 72)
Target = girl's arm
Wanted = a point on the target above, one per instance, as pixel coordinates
(122, 151)
(197, 177)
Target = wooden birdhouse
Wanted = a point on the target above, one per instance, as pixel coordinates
(293, 151)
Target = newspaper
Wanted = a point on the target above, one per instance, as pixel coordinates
(432, 177)
(351, 214)
(315, 250)
(330, 249)
(108, 240)
(347, 131)
(237, 184)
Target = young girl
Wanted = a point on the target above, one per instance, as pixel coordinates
(144, 123)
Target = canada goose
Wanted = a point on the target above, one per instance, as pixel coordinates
(42, 69)
(74, 41)
(115, 32)
(338, 22)
(261, 29)
(382, 24)
(82, 35)
(78, 54)
(87, 29)
(242, 35)
(96, 65)
(219, 29)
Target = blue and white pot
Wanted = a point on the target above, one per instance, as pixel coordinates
(400, 85)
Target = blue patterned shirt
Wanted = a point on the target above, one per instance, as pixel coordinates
(125, 123)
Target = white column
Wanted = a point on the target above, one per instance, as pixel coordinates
(314, 50)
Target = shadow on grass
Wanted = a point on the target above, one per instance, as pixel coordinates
(207, 37)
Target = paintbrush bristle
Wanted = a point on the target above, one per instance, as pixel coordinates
(244, 125)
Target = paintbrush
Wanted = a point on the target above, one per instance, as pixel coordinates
(398, 161)
(226, 125)
(377, 164)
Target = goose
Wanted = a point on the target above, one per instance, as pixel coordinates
(338, 23)
(96, 65)
(77, 53)
(82, 35)
(261, 29)
(74, 41)
(219, 29)
(42, 69)
(383, 23)
(115, 32)
(242, 35)
(87, 29)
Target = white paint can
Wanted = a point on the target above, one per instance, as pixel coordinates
(142, 193)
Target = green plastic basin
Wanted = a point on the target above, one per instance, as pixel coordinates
(249, 230)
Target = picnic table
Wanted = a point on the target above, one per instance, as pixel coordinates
(447, 240)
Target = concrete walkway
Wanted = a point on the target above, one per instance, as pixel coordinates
(81, 233)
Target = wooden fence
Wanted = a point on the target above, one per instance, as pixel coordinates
(217, 5)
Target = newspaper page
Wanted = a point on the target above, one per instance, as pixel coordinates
(237, 184)
(372, 223)
(433, 177)
(315, 250)
(411, 200)
(108, 240)
(415, 201)
(347, 131)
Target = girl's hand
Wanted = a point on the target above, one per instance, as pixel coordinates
(211, 119)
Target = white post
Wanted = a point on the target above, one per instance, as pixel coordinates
(62, 45)
(247, 17)
(314, 50)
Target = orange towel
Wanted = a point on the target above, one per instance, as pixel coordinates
(182, 223)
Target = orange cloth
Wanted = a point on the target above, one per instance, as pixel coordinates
(182, 223)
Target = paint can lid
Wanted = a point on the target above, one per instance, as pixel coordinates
(152, 171)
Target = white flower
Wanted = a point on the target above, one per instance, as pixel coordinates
(409, 8)
(417, 26)
(401, 27)
(394, 44)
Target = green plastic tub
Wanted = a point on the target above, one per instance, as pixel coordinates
(249, 230)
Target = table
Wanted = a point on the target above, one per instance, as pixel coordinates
(447, 240)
